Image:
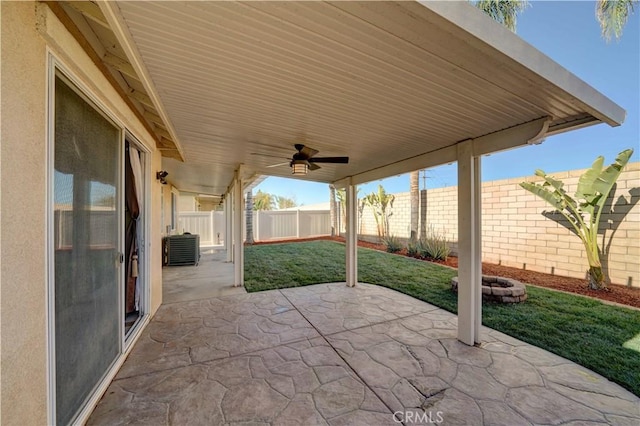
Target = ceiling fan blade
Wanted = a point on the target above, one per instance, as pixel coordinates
(269, 155)
(305, 150)
(313, 166)
(338, 160)
(278, 165)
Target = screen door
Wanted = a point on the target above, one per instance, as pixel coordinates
(87, 175)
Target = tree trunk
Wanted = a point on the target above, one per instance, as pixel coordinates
(423, 213)
(414, 190)
(596, 278)
(249, 217)
(332, 210)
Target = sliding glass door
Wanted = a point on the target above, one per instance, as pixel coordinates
(87, 252)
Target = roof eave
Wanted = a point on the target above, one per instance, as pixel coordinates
(471, 20)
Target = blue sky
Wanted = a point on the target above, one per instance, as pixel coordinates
(568, 32)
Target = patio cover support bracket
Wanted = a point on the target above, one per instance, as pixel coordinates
(469, 245)
(352, 236)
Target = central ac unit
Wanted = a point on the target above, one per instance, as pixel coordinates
(182, 250)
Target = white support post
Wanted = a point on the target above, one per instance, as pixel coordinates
(228, 220)
(256, 225)
(298, 223)
(352, 236)
(469, 243)
(212, 228)
(238, 246)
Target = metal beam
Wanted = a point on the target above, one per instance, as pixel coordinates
(567, 125)
(523, 134)
(423, 161)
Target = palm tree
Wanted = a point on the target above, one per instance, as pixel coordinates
(611, 14)
(341, 195)
(248, 211)
(503, 11)
(263, 201)
(285, 202)
(414, 191)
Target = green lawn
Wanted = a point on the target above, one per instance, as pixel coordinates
(583, 330)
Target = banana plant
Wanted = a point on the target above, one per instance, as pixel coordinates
(583, 211)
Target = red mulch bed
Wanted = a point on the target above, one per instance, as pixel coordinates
(613, 293)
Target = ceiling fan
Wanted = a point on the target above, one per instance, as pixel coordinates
(304, 160)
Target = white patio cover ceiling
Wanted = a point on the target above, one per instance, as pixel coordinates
(380, 82)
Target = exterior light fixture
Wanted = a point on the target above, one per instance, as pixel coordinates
(299, 167)
(161, 175)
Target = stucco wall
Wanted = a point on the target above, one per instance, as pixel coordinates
(515, 233)
(27, 30)
(156, 225)
(23, 226)
(187, 203)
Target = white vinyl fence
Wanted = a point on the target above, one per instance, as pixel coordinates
(284, 224)
(209, 225)
(267, 225)
(101, 222)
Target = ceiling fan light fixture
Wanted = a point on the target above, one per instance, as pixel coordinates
(299, 167)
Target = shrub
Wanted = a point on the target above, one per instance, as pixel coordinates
(434, 246)
(413, 249)
(392, 243)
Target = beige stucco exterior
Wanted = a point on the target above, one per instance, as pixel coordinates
(155, 282)
(30, 34)
(23, 226)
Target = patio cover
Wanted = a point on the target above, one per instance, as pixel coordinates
(380, 82)
(396, 86)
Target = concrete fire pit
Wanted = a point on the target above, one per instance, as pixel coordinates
(498, 289)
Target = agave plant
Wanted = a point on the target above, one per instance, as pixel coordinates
(584, 209)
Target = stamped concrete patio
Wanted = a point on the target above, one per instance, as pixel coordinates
(328, 354)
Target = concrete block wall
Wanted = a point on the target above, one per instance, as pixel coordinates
(515, 232)
(399, 222)
(442, 213)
